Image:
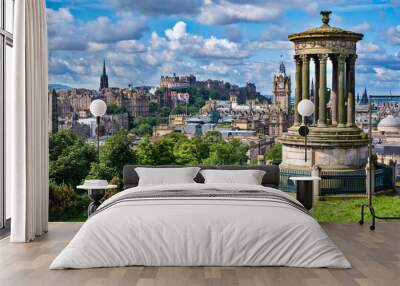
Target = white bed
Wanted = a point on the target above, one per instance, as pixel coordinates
(201, 231)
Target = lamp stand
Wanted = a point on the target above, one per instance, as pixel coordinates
(98, 138)
(371, 177)
(305, 144)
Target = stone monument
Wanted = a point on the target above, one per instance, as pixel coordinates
(334, 141)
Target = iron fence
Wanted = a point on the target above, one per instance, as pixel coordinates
(339, 182)
(335, 183)
(287, 185)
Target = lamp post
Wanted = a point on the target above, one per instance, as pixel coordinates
(98, 108)
(305, 108)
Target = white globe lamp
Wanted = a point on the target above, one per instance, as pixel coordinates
(98, 107)
(306, 107)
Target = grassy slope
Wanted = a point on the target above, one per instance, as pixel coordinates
(348, 210)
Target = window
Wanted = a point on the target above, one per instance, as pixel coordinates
(6, 44)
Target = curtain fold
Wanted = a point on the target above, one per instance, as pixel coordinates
(27, 124)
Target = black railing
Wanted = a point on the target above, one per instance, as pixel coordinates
(287, 185)
(340, 182)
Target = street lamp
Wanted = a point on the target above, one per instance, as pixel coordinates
(98, 108)
(305, 108)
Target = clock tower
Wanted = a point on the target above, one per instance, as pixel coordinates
(281, 89)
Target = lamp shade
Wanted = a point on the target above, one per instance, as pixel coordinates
(305, 107)
(98, 107)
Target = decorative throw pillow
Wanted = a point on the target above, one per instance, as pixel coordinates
(166, 176)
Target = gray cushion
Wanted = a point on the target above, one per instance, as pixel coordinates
(270, 179)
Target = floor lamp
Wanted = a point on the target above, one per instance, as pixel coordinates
(370, 174)
(98, 108)
(305, 108)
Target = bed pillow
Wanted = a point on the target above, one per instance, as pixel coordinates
(247, 177)
(166, 176)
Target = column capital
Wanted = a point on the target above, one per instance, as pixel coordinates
(342, 58)
(323, 57)
(352, 59)
(305, 58)
(297, 59)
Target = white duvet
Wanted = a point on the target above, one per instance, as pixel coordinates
(200, 231)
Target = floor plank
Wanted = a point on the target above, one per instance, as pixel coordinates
(375, 257)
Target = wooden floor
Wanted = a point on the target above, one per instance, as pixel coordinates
(375, 257)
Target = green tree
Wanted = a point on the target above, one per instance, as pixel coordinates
(143, 129)
(72, 165)
(232, 152)
(59, 141)
(115, 154)
(185, 153)
(115, 109)
(153, 107)
(165, 148)
(274, 153)
(146, 152)
(165, 111)
(211, 137)
(179, 109)
(66, 203)
(202, 148)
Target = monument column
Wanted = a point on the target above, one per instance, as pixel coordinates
(341, 91)
(334, 91)
(322, 90)
(297, 90)
(305, 94)
(351, 91)
(316, 95)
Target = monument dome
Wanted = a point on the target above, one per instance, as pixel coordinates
(389, 124)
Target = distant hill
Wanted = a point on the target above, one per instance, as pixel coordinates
(58, 86)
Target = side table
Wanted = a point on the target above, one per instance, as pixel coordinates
(96, 194)
(304, 190)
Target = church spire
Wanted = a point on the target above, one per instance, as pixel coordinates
(364, 97)
(104, 77)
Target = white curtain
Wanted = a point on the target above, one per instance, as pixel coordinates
(26, 124)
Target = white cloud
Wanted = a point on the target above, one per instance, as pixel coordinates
(97, 47)
(280, 45)
(368, 47)
(177, 32)
(127, 27)
(224, 12)
(181, 43)
(362, 27)
(66, 33)
(62, 15)
(157, 7)
(219, 68)
(393, 35)
(130, 46)
(387, 74)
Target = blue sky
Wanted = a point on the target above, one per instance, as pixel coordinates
(233, 40)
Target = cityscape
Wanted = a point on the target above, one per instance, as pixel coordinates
(182, 104)
(236, 112)
(189, 116)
